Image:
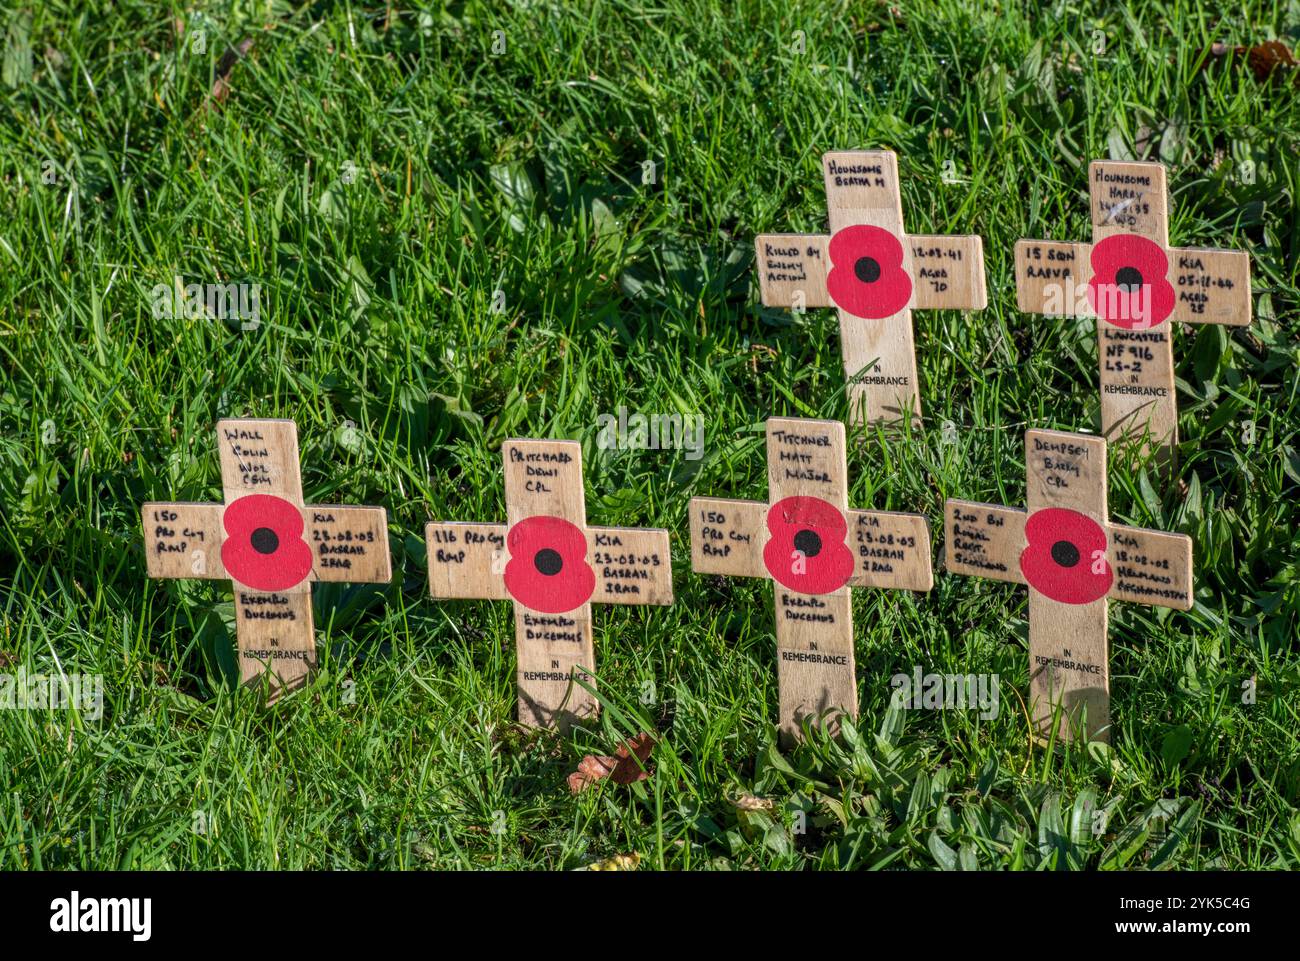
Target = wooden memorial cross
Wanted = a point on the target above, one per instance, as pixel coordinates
(1134, 283)
(270, 544)
(554, 567)
(1074, 560)
(814, 548)
(875, 274)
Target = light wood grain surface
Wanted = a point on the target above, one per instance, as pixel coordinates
(816, 673)
(543, 478)
(879, 354)
(275, 632)
(1136, 366)
(1068, 642)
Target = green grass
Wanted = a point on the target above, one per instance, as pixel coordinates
(522, 173)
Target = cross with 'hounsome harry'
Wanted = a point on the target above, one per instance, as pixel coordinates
(814, 548)
(1074, 561)
(270, 544)
(1134, 282)
(553, 567)
(875, 275)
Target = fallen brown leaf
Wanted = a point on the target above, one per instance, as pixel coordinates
(221, 87)
(1266, 57)
(1262, 58)
(627, 766)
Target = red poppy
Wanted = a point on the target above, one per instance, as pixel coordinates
(1066, 556)
(867, 278)
(548, 569)
(1130, 285)
(807, 552)
(264, 548)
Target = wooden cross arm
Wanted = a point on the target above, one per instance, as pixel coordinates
(348, 543)
(947, 272)
(728, 537)
(890, 550)
(466, 560)
(1210, 286)
(984, 540)
(183, 540)
(1151, 567)
(792, 269)
(632, 565)
(1048, 277)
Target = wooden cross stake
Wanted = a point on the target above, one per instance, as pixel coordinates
(270, 544)
(814, 548)
(875, 274)
(1136, 285)
(1074, 561)
(554, 567)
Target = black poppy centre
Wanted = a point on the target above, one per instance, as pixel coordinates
(1065, 553)
(867, 269)
(808, 543)
(548, 562)
(265, 540)
(1128, 279)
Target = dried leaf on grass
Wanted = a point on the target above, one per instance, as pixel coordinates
(221, 86)
(619, 862)
(1262, 58)
(627, 766)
